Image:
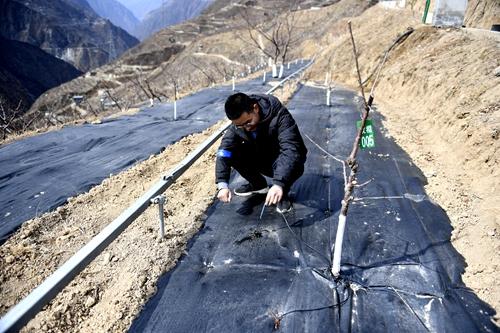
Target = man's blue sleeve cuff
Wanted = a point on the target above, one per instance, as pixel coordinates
(221, 185)
(224, 153)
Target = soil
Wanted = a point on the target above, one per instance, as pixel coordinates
(108, 294)
(438, 93)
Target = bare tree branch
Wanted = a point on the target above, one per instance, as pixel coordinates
(278, 32)
(205, 72)
(111, 95)
(26, 123)
(94, 112)
(8, 117)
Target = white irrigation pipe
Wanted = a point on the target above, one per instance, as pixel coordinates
(274, 70)
(289, 77)
(339, 238)
(175, 109)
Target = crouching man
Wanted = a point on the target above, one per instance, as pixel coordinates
(263, 140)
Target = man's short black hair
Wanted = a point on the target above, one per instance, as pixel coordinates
(237, 104)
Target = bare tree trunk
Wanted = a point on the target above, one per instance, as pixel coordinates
(205, 72)
(111, 96)
(278, 33)
(8, 119)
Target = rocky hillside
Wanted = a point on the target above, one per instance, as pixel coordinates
(171, 12)
(118, 14)
(216, 41)
(482, 14)
(68, 29)
(27, 72)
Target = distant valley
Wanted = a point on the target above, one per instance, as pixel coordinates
(47, 43)
(169, 13)
(68, 29)
(198, 52)
(117, 13)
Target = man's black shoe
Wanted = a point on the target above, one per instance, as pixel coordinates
(248, 189)
(284, 206)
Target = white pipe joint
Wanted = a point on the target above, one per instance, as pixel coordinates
(337, 253)
(160, 201)
(280, 75)
(175, 109)
(275, 71)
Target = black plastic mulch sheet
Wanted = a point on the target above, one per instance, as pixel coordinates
(399, 270)
(39, 173)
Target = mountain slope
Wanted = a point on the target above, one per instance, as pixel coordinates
(67, 29)
(176, 54)
(27, 72)
(118, 14)
(171, 12)
(140, 7)
(482, 14)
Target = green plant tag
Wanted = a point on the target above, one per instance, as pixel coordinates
(368, 135)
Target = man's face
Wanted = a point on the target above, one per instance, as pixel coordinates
(248, 120)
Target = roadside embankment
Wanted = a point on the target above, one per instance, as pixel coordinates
(439, 95)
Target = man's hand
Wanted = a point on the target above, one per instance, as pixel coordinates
(274, 195)
(224, 195)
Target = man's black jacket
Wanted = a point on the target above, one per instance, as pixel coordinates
(277, 143)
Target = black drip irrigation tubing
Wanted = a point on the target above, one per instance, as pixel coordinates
(328, 260)
(334, 305)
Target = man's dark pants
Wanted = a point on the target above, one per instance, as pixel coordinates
(251, 166)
